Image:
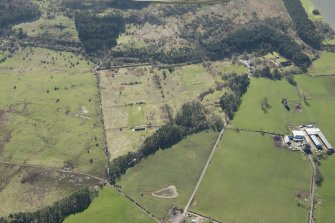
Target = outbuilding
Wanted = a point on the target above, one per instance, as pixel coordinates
(298, 135)
(316, 141)
(287, 140)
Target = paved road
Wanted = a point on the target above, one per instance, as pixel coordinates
(203, 172)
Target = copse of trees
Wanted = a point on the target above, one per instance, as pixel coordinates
(75, 203)
(231, 101)
(304, 26)
(192, 118)
(260, 37)
(99, 33)
(16, 11)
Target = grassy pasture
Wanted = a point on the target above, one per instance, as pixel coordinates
(318, 90)
(180, 166)
(51, 105)
(110, 206)
(29, 189)
(329, 41)
(250, 180)
(58, 26)
(309, 7)
(320, 110)
(132, 97)
(324, 65)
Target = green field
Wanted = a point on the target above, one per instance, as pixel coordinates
(320, 110)
(180, 166)
(309, 7)
(324, 65)
(329, 42)
(110, 206)
(50, 102)
(250, 180)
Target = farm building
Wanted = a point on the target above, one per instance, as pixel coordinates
(298, 135)
(287, 140)
(315, 133)
(316, 141)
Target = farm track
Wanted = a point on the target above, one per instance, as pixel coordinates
(312, 198)
(203, 172)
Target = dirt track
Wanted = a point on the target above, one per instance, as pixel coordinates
(203, 171)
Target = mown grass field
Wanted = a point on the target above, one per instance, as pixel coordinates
(180, 166)
(250, 180)
(50, 102)
(26, 189)
(133, 97)
(110, 206)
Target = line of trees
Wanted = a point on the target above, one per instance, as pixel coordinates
(192, 118)
(231, 101)
(304, 26)
(260, 37)
(99, 33)
(75, 203)
(102, 4)
(16, 11)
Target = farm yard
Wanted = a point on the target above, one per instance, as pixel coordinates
(110, 205)
(172, 172)
(50, 99)
(136, 101)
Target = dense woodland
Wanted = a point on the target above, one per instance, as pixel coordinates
(264, 38)
(192, 118)
(304, 26)
(16, 11)
(99, 33)
(75, 203)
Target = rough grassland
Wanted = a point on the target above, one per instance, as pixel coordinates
(249, 180)
(132, 97)
(180, 166)
(29, 189)
(52, 111)
(57, 26)
(110, 206)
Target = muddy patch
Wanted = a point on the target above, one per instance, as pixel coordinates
(168, 192)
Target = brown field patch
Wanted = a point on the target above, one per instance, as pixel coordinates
(168, 192)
